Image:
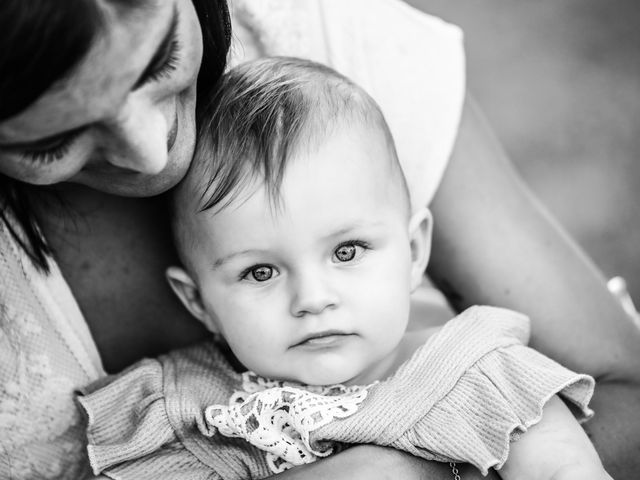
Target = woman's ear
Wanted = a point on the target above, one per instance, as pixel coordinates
(187, 291)
(420, 228)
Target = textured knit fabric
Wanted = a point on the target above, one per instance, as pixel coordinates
(45, 353)
(463, 396)
(45, 348)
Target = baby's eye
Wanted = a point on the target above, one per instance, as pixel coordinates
(259, 273)
(345, 253)
(348, 251)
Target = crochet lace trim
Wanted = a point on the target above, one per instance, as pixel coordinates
(278, 417)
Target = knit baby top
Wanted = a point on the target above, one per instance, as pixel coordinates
(463, 396)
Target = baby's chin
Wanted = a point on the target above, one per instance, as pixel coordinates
(327, 379)
(322, 380)
(348, 374)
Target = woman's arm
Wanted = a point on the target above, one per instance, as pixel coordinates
(495, 244)
(554, 448)
(369, 462)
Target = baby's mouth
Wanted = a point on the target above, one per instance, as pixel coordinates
(323, 339)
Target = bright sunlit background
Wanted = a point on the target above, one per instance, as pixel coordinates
(559, 81)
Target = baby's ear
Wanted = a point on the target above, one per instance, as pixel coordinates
(420, 228)
(187, 291)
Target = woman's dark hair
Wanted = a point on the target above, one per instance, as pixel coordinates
(40, 42)
(216, 37)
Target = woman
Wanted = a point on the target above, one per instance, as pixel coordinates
(108, 103)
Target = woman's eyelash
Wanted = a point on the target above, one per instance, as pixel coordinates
(57, 151)
(170, 63)
(52, 153)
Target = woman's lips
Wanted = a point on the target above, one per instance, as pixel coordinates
(173, 132)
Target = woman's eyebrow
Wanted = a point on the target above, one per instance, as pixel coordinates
(161, 53)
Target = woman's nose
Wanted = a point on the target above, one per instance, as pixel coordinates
(137, 139)
(313, 293)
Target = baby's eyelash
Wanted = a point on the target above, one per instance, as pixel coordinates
(350, 251)
(360, 243)
(251, 272)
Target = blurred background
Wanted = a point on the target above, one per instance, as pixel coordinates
(559, 80)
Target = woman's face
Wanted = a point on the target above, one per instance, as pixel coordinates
(123, 120)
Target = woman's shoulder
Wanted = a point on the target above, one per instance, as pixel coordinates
(306, 29)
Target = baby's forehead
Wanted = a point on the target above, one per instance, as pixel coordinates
(360, 158)
(338, 147)
(312, 202)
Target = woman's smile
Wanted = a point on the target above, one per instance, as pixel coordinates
(173, 130)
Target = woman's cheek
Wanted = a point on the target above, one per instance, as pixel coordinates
(192, 48)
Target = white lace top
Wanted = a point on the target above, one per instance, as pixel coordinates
(411, 63)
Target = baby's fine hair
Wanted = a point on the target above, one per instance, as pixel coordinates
(261, 114)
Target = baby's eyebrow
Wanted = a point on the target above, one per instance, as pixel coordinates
(355, 227)
(219, 262)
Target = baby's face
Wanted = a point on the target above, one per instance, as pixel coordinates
(316, 291)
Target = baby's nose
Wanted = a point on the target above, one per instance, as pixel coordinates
(312, 295)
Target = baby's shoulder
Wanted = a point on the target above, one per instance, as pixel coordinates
(474, 332)
(412, 341)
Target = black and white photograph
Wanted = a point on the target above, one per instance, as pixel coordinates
(319, 239)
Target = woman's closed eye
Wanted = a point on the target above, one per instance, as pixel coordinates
(48, 151)
(168, 65)
(166, 59)
(55, 149)
(259, 273)
(349, 251)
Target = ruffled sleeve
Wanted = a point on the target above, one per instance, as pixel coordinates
(129, 433)
(465, 394)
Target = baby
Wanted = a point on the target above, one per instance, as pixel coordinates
(300, 251)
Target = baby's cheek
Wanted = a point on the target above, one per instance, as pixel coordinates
(390, 309)
(250, 335)
(389, 289)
